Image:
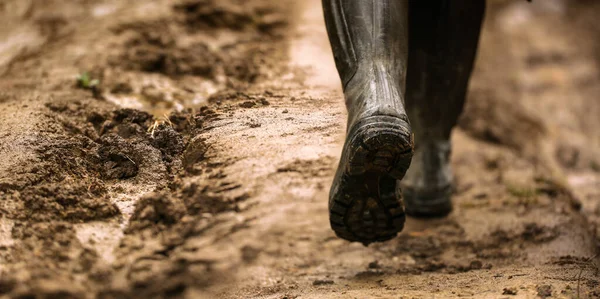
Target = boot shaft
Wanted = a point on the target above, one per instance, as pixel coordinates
(368, 32)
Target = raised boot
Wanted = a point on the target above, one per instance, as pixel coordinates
(369, 42)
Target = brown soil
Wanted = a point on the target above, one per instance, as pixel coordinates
(200, 164)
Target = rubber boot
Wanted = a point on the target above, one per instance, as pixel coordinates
(443, 43)
(427, 186)
(369, 42)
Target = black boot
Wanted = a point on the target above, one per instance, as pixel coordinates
(443, 43)
(427, 186)
(369, 41)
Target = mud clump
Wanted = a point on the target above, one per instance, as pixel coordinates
(215, 14)
(156, 209)
(43, 249)
(127, 123)
(159, 54)
(74, 203)
(150, 45)
(535, 233)
(115, 155)
(127, 115)
(63, 160)
(544, 291)
(247, 64)
(532, 232)
(169, 141)
(128, 135)
(509, 291)
(206, 199)
(185, 123)
(240, 61)
(231, 14)
(159, 226)
(321, 282)
(54, 237)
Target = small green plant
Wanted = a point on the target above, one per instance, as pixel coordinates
(85, 81)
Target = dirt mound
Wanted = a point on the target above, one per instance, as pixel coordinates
(49, 258)
(233, 14)
(115, 155)
(187, 51)
(88, 157)
(169, 141)
(84, 151)
(152, 46)
(74, 203)
(154, 210)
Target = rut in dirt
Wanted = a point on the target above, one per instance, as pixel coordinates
(108, 197)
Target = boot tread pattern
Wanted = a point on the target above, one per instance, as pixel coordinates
(365, 206)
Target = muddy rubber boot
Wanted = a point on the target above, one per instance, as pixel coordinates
(443, 44)
(427, 186)
(369, 42)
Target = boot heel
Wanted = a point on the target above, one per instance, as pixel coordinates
(364, 204)
(381, 144)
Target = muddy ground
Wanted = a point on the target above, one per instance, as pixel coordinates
(193, 158)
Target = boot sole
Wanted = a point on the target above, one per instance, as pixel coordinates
(364, 205)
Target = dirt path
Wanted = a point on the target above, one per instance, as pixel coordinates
(229, 200)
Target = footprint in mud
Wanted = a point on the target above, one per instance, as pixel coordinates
(318, 168)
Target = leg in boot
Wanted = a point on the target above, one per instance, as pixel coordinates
(443, 43)
(369, 41)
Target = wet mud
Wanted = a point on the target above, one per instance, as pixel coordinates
(196, 161)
